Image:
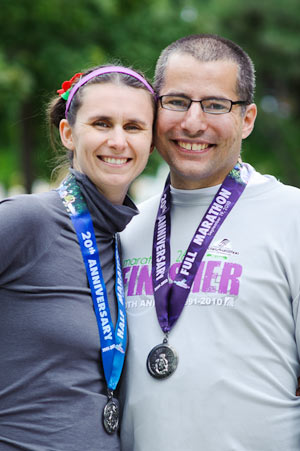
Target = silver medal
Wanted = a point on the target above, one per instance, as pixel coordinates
(111, 416)
(162, 361)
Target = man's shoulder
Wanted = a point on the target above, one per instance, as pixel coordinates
(148, 204)
(265, 184)
(144, 221)
(288, 193)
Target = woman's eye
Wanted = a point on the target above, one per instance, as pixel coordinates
(101, 124)
(132, 127)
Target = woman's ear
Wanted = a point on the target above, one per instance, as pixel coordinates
(66, 136)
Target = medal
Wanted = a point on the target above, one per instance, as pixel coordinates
(111, 414)
(162, 361)
(171, 298)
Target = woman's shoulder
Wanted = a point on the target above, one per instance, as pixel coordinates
(28, 228)
(27, 210)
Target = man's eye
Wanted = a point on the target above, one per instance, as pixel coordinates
(177, 102)
(216, 105)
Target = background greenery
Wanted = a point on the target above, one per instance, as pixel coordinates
(45, 42)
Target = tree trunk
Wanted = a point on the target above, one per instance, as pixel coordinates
(27, 145)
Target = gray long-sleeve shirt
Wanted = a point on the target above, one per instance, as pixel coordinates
(52, 386)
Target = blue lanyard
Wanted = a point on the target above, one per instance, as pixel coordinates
(112, 341)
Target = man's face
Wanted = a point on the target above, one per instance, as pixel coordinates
(201, 148)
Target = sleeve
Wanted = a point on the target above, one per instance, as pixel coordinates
(20, 224)
(292, 272)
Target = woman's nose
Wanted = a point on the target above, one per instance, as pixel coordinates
(117, 139)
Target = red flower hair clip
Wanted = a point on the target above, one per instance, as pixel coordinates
(66, 86)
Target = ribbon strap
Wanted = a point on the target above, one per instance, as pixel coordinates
(170, 298)
(112, 341)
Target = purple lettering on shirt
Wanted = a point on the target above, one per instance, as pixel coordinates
(125, 271)
(144, 281)
(132, 280)
(230, 274)
(198, 278)
(209, 276)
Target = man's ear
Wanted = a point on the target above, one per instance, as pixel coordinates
(249, 120)
(66, 136)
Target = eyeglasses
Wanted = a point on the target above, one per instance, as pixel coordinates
(210, 105)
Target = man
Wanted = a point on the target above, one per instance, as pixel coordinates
(213, 349)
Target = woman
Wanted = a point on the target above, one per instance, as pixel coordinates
(56, 387)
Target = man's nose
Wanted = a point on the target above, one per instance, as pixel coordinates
(194, 120)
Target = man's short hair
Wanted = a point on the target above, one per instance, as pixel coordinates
(209, 47)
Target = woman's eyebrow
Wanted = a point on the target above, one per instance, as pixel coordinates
(110, 119)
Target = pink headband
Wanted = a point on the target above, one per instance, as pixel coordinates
(101, 71)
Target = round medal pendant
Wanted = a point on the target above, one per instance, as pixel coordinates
(111, 416)
(162, 361)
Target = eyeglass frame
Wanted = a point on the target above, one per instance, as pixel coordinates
(237, 102)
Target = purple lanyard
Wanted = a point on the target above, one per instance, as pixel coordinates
(170, 298)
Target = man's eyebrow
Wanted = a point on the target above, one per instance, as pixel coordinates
(180, 94)
(177, 94)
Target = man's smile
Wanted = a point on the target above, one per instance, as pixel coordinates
(196, 147)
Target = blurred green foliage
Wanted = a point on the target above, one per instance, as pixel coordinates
(43, 43)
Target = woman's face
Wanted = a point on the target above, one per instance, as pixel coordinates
(112, 136)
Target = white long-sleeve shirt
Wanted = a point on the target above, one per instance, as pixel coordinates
(237, 338)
